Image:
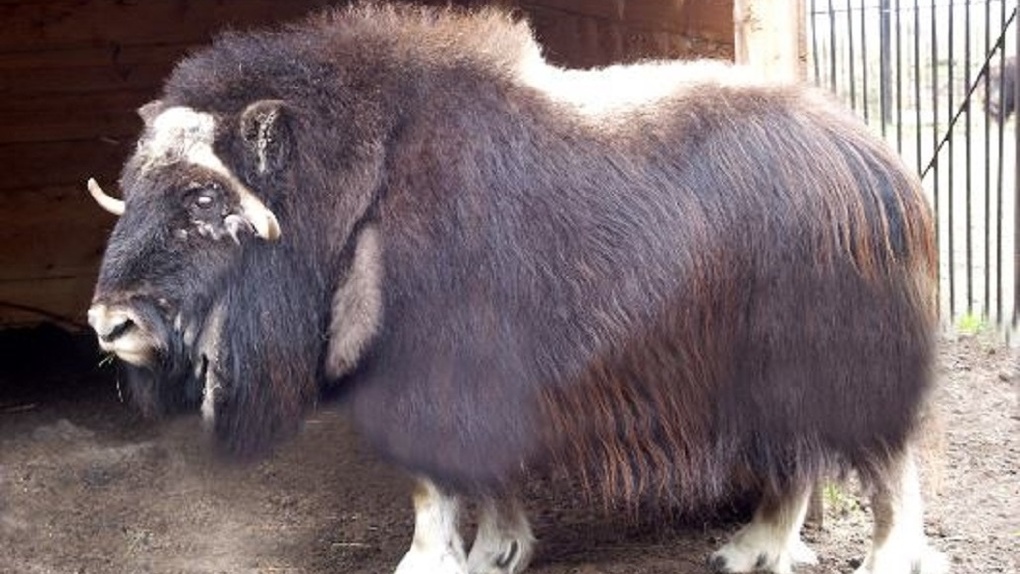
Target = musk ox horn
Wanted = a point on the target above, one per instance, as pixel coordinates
(111, 204)
(261, 218)
(149, 111)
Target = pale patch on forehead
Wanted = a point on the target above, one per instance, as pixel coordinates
(182, 134)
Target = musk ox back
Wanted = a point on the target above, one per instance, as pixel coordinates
(664, 280)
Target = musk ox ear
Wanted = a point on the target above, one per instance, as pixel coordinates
(149, 111)
(264, 130)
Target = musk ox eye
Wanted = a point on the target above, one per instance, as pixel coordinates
(202, 199)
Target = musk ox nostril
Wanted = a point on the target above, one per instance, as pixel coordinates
(117, 330)
(109, 324)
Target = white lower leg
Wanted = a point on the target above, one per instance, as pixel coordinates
(504, 541)
(437, 547)
(898, 542)
(771, 542)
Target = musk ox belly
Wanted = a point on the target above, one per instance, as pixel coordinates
(754, 365)
(776, 378)
(458, 414)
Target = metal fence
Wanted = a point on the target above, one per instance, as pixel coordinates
(938, 80)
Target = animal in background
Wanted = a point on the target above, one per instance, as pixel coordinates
(1002, 80)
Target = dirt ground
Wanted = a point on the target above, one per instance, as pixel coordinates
(87, 488)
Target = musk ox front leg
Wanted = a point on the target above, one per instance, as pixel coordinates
(504, 543)
(898, 541)
(437, 547)
(771, 542)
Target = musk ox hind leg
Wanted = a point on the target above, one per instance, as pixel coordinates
(437, 547)
(504, 543)
(898, 541)
(771, 542)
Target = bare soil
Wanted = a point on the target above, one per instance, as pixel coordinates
(85, 487)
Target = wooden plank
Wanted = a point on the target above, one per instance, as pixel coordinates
(64, 23)
(584, 42)
(51, 232)
(119, 56)
(658, 14)
(41, 81)
(64, 297)
(44, 164)
(61, 117)
(710, 20)
(706, 19)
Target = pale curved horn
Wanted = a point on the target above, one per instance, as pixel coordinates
(111, 204)
(261, 218)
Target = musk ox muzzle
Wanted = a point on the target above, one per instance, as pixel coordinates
(120, 333)
(138, 331)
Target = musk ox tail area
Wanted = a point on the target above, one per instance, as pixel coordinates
(800, 341)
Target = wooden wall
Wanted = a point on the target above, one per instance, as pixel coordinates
(72, 72)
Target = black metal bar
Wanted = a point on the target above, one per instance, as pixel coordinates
(1000, 173)
(951, 166)
(917, 84)
(988, 173)
(967, 193)
(884, 63)
(899, 81)
(850, 57)
(832, 46)
(935, 147)
(813, 17)
(1016, 180)
(865, 103)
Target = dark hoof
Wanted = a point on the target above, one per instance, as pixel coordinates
(718, 564)
(509, 556)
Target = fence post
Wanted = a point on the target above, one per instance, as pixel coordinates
(885, 60)
(769, 36)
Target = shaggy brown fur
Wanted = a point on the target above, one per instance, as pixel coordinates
(727, 279)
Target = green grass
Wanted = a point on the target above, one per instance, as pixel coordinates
(836, 500)
(971, 324)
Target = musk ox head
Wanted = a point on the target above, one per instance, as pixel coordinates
(189, 214)
(196, 271)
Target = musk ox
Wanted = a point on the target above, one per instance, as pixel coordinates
(665, 280)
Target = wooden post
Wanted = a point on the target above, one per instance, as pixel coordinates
(769, 36)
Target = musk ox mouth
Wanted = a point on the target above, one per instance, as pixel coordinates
(122, 331)
(171, 359)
